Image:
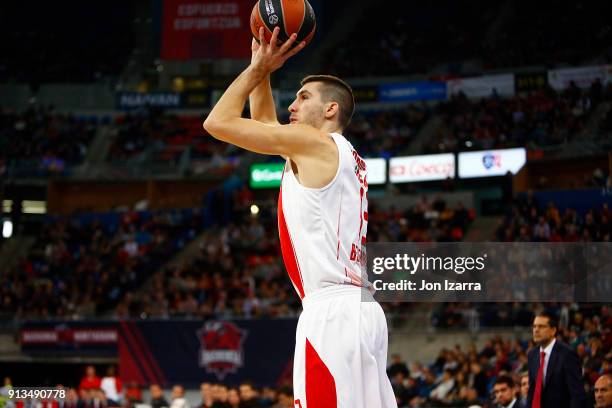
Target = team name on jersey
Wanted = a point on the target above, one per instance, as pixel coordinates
(360, 167)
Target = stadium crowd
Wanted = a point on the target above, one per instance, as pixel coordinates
(238, 271)
(456, 377)
(537, 119)
(83, 266)
(40, 141)
(450, 38)
(463, 377)
(528, 220)
(386, 133)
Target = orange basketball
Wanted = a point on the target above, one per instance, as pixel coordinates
(292, 16)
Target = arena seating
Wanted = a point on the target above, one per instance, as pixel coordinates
(535, 120)
(39, 141)
(82, 266)
(420, 37)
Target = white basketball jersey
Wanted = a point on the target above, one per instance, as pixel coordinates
(323, 230)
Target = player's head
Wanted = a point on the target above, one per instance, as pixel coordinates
(323, 99)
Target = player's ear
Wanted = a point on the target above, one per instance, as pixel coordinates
(331, 109)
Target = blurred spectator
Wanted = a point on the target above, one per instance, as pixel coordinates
(178, 397)
(397, 365)
(603, 391)
(443, 389)
(503, 390)
(97, 399)
(72, 399)
(158, 400)
(90, 380)
(133, 393)
(233, 398)
(112, 387)
(206, 393)
(285, 398)
(248, 396)
(524, 384)
(5, 400)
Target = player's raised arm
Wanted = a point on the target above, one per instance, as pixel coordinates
(225, 123)
(261, 104)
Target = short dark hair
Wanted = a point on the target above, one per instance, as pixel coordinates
(552, 319)
(505, 379)
(336, 90)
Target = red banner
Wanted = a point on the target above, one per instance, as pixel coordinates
(194, 29)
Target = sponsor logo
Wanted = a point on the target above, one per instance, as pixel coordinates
(69, 336)
(490, 160)
(422, 168)
(273, 19)
(221, 350)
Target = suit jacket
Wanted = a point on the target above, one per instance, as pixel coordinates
(563, 384)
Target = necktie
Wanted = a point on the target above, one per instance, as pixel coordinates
(537, 394)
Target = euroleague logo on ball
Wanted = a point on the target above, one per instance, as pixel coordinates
(289, 16)
(272, 17)
(270, 10)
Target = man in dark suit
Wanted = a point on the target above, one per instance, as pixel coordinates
(555, 374)
(504, 392)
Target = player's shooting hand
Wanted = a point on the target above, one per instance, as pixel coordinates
(254, 48)
(271, 56)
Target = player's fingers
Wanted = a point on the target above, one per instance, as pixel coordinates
(296, 49)
(274, 39)
(287, 45)
(262, 38)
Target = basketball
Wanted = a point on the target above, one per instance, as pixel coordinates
(292, 16)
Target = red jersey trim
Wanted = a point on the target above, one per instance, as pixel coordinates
(288, 250)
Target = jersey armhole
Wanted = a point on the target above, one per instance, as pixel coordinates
(328, 185)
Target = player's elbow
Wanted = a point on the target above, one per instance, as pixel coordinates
(212, 126)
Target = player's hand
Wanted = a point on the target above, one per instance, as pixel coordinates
(254, 48)
(271, 56)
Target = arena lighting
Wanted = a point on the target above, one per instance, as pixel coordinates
(7, 205)
(254, 209)
(7, 229)
(34, 207)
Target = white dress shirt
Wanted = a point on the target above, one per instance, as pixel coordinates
(547, 350)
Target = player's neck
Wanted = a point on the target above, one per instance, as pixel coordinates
(330, 127)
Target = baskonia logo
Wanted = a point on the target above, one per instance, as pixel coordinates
(221, 350)
(490, 160)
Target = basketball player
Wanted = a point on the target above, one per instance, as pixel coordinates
(341, 340)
